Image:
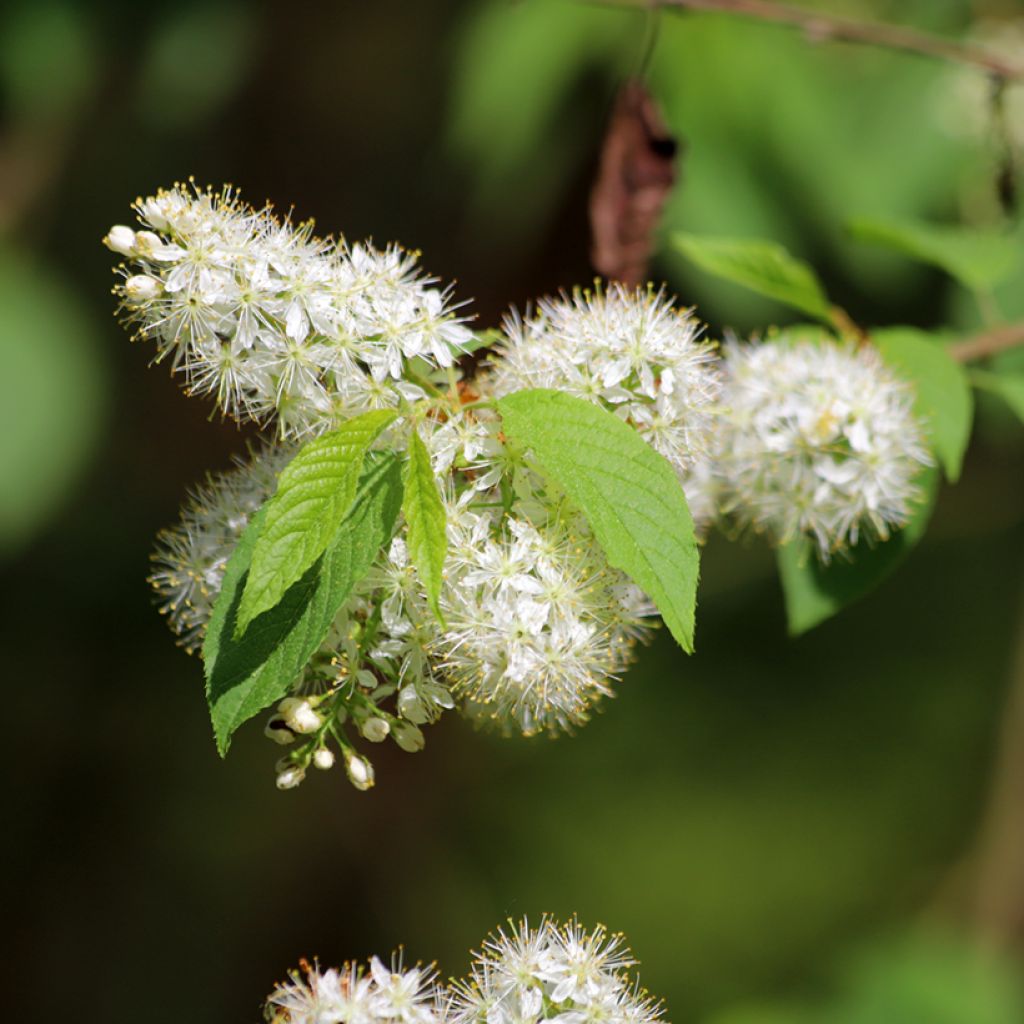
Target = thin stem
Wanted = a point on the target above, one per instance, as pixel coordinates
(988, 343)
(827, 27)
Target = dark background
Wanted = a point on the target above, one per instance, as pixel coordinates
(828, 823)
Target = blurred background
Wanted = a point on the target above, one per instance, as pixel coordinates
(822, 829)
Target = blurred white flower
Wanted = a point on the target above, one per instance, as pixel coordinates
(818, 438)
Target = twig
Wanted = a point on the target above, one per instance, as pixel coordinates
(824, 27)
(988, 343)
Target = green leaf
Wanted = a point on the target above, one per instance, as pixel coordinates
(944, 401)
(1008, 386)
(481, 339)
(628, 492)
(978, 259)
(427, 522)
(764, 267)
(245, 676)
(314, 492)
(815, 592)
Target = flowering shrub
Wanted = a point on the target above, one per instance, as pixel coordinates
(410, 540)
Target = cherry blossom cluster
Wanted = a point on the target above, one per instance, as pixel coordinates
(524, 975)
(783, 437)
(271, 320)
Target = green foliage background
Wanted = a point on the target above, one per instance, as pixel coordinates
(770, 821)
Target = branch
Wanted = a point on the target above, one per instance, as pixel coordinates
(825, 27)
(988, 343)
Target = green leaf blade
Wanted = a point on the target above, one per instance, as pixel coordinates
(944, 402)
(245, 676)
(814, 592)
(628, 492)
(763, 267)
(426, 520)
(978, 259)
(314, 492)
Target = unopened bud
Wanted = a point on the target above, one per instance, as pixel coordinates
(153, 210)
(408, 737)
(290, 777)
(120, 239)
(323, 759)
(410, 706)
(299, 715)
(360, 771)
(141, 288)
(375, 729)
(146, 243)
(277, 730)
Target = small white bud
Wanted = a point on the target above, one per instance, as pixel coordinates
(153, 210)
(298, 715)
(375, 729)
(120, 239)
(324, 759)
(290, 777)
(141, 288)
(409, 737)
(146, 243)
(277, 730)
(410, 705)
(360, 771)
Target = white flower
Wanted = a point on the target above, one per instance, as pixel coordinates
(633, 353)
(818, 438)
(353, 995)
(551, 973)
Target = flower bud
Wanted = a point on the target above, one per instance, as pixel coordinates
(154, 209)
(146, 243)
(410, 705)
(375, 729)
(141, 288)
(120, 239)
(409, 737)
(360, 771)
(323, 759)
(277, 730)
(290, 777)
(298, 715)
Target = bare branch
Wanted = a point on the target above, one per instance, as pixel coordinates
(827, 27)
(988, 343)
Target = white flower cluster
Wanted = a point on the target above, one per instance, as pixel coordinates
(191, 557)
(551, 973)
(554, 972)
(818, 439)
(634, 353)
(538, 623)
(354, 995)
(273, 321)
(784, 437)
